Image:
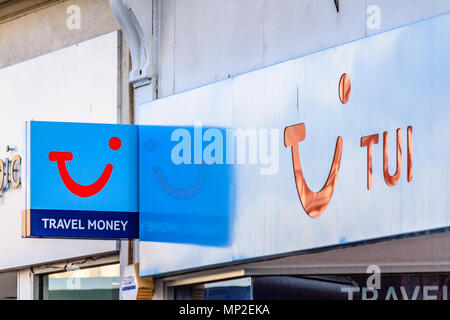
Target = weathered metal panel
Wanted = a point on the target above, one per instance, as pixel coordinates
(399, 79)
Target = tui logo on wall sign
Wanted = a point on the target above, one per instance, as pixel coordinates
(83, 181)
(315, 203)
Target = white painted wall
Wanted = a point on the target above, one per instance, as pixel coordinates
(25, 284)
(76, 84)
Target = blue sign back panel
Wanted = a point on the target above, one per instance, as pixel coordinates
(182, 202)
(80, 169)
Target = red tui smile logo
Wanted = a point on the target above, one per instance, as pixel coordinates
(79, 190)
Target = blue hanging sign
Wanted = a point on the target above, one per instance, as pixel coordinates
(82, 181)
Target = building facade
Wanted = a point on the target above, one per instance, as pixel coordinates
(60, 61)
(176, 63)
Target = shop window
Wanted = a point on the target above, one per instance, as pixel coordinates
(267, 288)
(237, 289)
(99, 283)
(422, 286)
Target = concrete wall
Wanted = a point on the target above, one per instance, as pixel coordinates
(208, 40)
(8, 285)
(46, 30)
